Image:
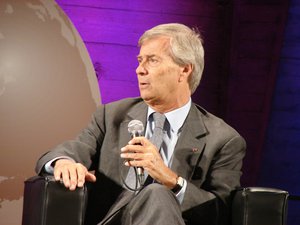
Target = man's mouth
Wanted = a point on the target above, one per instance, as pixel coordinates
(143, 84)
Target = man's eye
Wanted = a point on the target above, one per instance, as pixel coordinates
(153, 61)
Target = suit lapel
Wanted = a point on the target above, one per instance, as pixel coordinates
(190, 146)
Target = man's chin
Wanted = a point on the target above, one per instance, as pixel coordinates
(147, 98)
(144, 95)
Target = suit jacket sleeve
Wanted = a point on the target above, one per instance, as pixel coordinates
(207, 197)
(85, 148)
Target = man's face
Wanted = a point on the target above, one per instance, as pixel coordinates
(157, 73)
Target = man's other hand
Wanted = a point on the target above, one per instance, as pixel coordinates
(72, 174)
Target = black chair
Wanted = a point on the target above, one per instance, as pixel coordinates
(259, 206)
(47, 202)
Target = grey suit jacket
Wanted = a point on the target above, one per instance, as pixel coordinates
(208, 153)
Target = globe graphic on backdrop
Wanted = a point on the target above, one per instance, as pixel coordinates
(48, 91)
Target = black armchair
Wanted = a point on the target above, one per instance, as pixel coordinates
(47, 202)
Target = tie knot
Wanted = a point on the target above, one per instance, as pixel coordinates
(159, 120)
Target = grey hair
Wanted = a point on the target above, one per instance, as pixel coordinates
(185, 47)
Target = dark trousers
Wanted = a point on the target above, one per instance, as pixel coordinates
(154, 204)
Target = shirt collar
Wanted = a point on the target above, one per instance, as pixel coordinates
(176, 117)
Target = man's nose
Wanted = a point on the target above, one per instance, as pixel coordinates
(141, 69)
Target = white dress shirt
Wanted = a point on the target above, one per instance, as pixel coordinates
(175, 120)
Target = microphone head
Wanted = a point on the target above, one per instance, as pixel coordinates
(135, 128)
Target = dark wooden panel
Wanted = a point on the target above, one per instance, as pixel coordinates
(248, 102)
(262, 49)
(250, 84)
(256, 43)
(187, 7)
(262, 13)
(247, 123)
(121, 27)
(252, 67)
(257, 31)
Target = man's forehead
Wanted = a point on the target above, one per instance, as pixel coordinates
(156, 40)
(154, 47)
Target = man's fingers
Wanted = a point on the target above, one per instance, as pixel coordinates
(57, 174)
(60, 169)
(90, 177)
(72, 174)
(136, 141)
(140, 141)
(72, 177)
(81, 174)
(65, 177)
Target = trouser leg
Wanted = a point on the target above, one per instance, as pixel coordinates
(113, 217)
(155, 204)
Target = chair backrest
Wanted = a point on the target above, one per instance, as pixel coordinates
(259, 206)
(47, 202)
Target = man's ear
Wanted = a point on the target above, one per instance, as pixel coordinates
(186, 71)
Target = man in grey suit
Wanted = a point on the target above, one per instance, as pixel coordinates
(193, 172)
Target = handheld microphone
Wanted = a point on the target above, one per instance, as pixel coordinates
(136, 129)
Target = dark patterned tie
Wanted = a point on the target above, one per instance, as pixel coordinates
(157, 136)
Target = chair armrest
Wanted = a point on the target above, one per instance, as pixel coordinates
(48, 202)
(259, 206)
